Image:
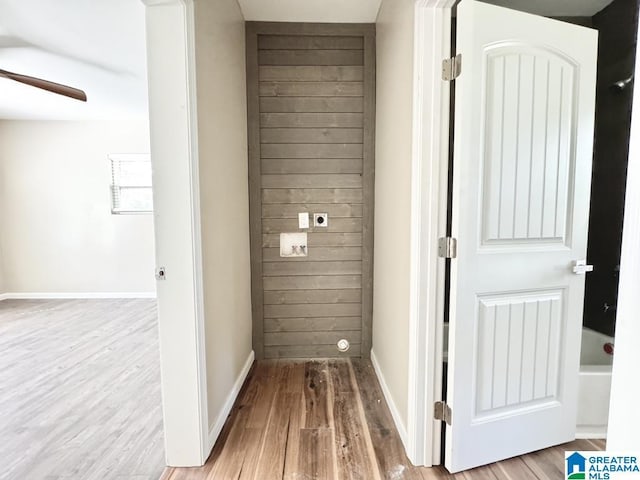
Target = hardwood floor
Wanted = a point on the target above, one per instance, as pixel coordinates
(80, 390)
(318, 420)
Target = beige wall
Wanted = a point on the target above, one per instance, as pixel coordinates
(3, 187)
(2, 283)
(393, 196)
(57, 233)
(222, 130)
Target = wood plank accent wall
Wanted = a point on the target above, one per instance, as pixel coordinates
(311, 97)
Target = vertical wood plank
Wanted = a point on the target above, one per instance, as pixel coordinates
(270, 464)
(255, 194)
(315, 394)
(317, 462)
(368, 184)
(295, 450)
(267, 379)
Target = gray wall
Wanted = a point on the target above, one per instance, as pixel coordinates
(310, 117)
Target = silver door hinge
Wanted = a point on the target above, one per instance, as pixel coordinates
(451, 68)
(447, 247)
(442, 411)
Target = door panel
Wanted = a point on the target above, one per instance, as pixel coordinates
(530, 115)
(311, 126)
(522, 168)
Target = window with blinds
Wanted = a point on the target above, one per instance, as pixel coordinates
(131, 190)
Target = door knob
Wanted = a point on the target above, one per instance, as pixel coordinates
(580, 267)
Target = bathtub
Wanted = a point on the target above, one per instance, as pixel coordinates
(594, 385)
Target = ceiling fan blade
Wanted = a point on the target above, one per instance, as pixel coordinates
(46, 85)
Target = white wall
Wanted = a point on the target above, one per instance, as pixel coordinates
(394, 109)
(624, 415)
(57, 233)
(2, 282)
(224, 197)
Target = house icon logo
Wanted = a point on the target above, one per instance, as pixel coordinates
(576, 467)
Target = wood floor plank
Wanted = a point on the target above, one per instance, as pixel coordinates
(294, 449)
(481, 473)
(355, 461)
(328, 420)
(545, 464)
(231, 459)
(315, 394)
(80, 389)
(270, 464)
(295, 382)
(316, 463)
(513, 469)
(252, 441)
(436, 473)
(341, 377)
(268, 383)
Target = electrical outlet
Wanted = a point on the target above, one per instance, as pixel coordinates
(320, 220)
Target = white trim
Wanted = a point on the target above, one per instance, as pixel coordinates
(173, 120)
(397, 419)
(624, 416)
(194, 163)
(591, 433)
(429, 170)
(216, 428)
(72, 295)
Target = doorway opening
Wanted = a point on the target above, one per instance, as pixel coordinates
(617, 24)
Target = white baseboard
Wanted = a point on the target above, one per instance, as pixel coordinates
(400, 426)
(591, 432)
(73, 295)
(216, 428)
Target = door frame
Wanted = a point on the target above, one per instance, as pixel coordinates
(432, 44)
(429, 178)
(170, 32)
(367, 31)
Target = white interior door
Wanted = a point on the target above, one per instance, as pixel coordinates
(522, 170)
